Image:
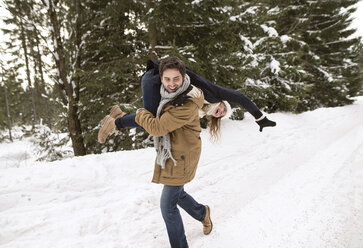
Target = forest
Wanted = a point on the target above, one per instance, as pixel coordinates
(68, 62)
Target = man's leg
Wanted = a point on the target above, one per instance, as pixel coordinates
(150, 85)
(191, 206)
(172, 217)
(196, 210)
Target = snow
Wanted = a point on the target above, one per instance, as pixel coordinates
(56, 56)
(192, 60)
(274, 11)
(270, 31)
(256, 83)
(299, 184)
(326, 74)
(285, 38)
(163, 47)
(106, 19)
(248, 46)
(251, 11)
(15, 155)
(275, 66)
(47, 4)
(235, 18)
(196, 2)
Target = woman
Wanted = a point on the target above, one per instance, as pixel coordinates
(216, 105)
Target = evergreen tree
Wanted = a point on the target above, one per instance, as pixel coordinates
(114, 58)
(195, 31)
(289, 55)
(19, 10)
(39, 52)
(276, 73)
(26, 44)
(12, 97)
(335, 66)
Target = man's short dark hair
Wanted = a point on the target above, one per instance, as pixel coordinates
(172, 63)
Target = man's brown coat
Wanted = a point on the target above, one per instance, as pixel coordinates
(182, 122)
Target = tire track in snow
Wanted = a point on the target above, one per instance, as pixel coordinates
(296, 211)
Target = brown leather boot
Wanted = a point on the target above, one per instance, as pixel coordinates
(108, 127)
(116, 112)
(207, 222)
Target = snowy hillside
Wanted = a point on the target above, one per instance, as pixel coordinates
(297, 185)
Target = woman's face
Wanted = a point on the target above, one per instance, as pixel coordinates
(220, 111)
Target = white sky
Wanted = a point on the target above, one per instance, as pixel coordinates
(358, 19)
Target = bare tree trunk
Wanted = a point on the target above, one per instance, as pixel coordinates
(25, 50)
(36, 87)
(42, 99)
(152, 34)
(71, 99)
(7, 112)
(77, 68)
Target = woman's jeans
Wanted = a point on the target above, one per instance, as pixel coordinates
(150, 85)
(170, 198)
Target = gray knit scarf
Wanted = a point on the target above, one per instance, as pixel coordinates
(162, 144)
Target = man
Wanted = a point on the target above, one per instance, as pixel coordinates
(176, 130)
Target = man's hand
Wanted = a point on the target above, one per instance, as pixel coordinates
(265, 123)
(139, 110)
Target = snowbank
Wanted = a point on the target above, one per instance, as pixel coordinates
(299, 184)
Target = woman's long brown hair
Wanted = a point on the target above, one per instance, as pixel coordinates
(214, 125)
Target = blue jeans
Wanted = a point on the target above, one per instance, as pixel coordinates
(170, 198)
(150, 85)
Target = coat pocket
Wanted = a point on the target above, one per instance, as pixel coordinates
(192, 162)
(178, 171)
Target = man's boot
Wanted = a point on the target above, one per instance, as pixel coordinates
(207, 222)
(116, 112)
(108, 127)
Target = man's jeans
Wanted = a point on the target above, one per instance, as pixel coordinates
(170, 198)
(150, 85)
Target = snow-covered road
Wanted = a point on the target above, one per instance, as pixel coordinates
(298, 185)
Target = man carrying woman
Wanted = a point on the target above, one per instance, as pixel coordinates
(216, 104)
(174, 98)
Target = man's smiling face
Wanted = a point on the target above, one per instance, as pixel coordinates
(172, 79)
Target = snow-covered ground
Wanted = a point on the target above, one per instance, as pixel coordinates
(299, 184)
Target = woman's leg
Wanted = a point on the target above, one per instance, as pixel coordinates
(171, 215)
(127, 121)
(150, 85)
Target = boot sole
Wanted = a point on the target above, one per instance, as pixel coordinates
(211, 223)
(116, 112)
(106, 122)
